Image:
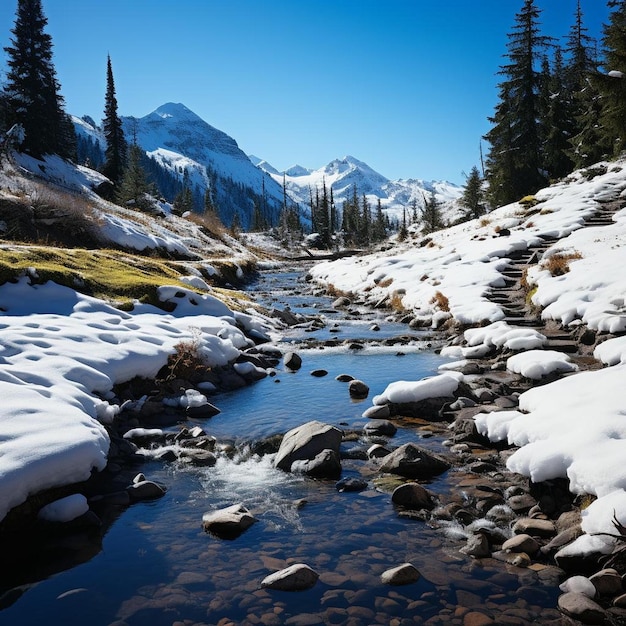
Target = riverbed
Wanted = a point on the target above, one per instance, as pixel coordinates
(155, 566)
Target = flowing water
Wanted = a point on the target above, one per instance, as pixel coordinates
(155, 566)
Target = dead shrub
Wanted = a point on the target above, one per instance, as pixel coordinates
(558, 264)
(187, 363)
(396, 302)
(440, 301)
(385, 283)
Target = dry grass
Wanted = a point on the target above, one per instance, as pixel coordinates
(385, 283)
(558, 264)
(186, 363)
(210, 224)
(395, 302)
(440, 301)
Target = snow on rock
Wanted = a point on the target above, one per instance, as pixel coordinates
(403, 392)
(61, 352)
(536, 364)
(65, 509)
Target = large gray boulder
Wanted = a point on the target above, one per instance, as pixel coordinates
(326, 464)
(412, 461)
(305, 442)
(229, 522)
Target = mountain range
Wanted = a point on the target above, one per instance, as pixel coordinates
(189, 148)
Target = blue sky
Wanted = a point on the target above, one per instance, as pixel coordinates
(404, 85)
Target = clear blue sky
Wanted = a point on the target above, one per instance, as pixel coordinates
(404, 85)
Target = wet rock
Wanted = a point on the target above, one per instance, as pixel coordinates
(475, 618)
(519, 559)
(412, 461)
(412, 496)
(607, 582)
(145, 490)
(341, 302)
(377, 412)
(358, 389)
(377, 451)
(201, 411)
(521, 543)
(200, 458)
(351, 484)
(326, 464)
(166, 454)
(306, 442)
(344, 378)
(579, 584)
(562, 539)
(292, 361)
(477, 546)
(144, 437)
(296, 577)
(534, 527)
(582, 608)
(228, 523)
(383, 428)
(521, 503)
(401, 575)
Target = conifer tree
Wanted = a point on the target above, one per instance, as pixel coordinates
(33, 91)
(379, 227)
(514, 161)
(432, 219)
(115, 153)
(134, 186)
(473, 199)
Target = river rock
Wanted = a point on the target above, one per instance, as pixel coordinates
(296, 577)
(341, 302)
(199, 457)
(412, 461)
(145, 490)
(292, 361)
(306, 442)
(201, 411)
(521, 543)
(412, 496)
(229, 522)
(351, 484)
(477, 546)
(579, 584)
(377, 451)
(383, 428)
(319, 373)
(607, 582)
(358, 389)
(344, 378)
(377, 412)
(534, 527)
(326, 464)
(401, 575)
(582, 608)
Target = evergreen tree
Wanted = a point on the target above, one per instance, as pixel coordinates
(115, 153)
(431, 215)
(33, 91)
(134, 188)
(514, 162)
(379, 227)
(403, 231)
(473, 199)
(612, 84)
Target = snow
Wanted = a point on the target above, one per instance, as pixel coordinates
(572, 428)
(402, 392)
(64, 510)
(62, 352)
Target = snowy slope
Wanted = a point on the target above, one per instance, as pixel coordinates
(342, 175)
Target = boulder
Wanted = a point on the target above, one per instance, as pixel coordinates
(296, 577)
(377, 412)
(579, 606)
(326, 464)
(412, 461)
(228, 523)
(521, 543)
(344, 378)
(377, 451)
(145, 490)
(341, 302)
(320, 373)
(607, 582)
(534, 527)
(351, 484)
(292, 361)
(383, 428)
(201, 411)
(412, 496)
(358, 389)
(401, 575)
(305, 442)
(477, 546)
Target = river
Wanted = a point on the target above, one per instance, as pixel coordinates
(156, 567)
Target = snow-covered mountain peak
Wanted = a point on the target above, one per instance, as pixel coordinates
(177, 112)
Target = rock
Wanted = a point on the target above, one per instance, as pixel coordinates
(475, 618)
(344, 378)
(296, 577)
(201, 458)
(377, 451)
(202, 411)
(306, 442)
(521, 543)
(562, 539)
(579, 584)
(412, 496)
(607, 582)
(382, 428)
(292, 361)
(412, 461)
(340, 302)
(229, 522)
(319, 373)
(326, 464)
(477, 546)
(351, 484)
(521, 503)
(534, 527)
(582, 608)
(145, 490)
(358, 389)
(401, 575)
(377, 412)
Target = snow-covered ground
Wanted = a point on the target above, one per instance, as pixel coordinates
(575, 427)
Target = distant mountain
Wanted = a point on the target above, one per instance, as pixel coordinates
(342, 175)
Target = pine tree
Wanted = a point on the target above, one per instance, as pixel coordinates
(115, 153)
(134, 186)
(33, 91)
(514, 162)
(473, 199)
(379, 227)
(612, 85)
(432, 219)
(403, 231)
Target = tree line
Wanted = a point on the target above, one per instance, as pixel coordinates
(561, 106)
